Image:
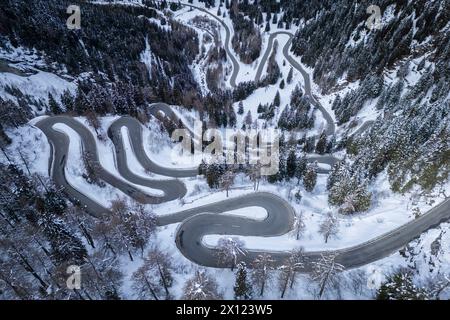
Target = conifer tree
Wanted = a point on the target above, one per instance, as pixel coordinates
(310, 177)
(54, 106)
(242, 286)
(300, 168)
(276, 100)
(321, 146)
(400, 286)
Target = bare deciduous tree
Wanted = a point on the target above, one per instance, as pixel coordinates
(255, 175)
(154, 276)
(299, 225)
(92, 167)
(325, 271)
(262, 266)
(358, 281)
(101, 277)
(125, 228)
(93, 121)
(436, 285)
(229, 249)
(81, 220)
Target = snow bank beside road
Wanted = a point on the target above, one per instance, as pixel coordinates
(75, 170)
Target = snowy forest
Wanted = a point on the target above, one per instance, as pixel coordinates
(364, 148)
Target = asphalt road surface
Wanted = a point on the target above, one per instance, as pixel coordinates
(331, 127)
(210, 219)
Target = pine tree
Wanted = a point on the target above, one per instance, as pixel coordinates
(347, 191)
(5, 140)
(81, 105)
(309, 144)
(242, 286)
(280, 24)
(282, 84)
(310, 177)
(291, 164)
(201, 287)
(261, 108)
(321, 146)
(330, 145)
(214, 173)
(275, 19)
(67, 100)
(66, 247)
(282, 174)
(54, 106)
(248, 119)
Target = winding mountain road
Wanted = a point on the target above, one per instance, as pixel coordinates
(331, 127)
(210, 219)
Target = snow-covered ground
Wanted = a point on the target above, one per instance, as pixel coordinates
(388, 211)
(23, 73)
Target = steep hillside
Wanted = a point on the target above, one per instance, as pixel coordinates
(124, 56)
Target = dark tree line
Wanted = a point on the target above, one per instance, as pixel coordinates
(323, 42)
(102, 48)
(409, 140)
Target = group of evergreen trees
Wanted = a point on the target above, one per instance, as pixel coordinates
(273, 69)
(35, 236)
(371, 88)
(43, 235)
(292, 166)
(111, 56)
(403, 285)
(348, 190)
(410, 138)
(298, 115)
